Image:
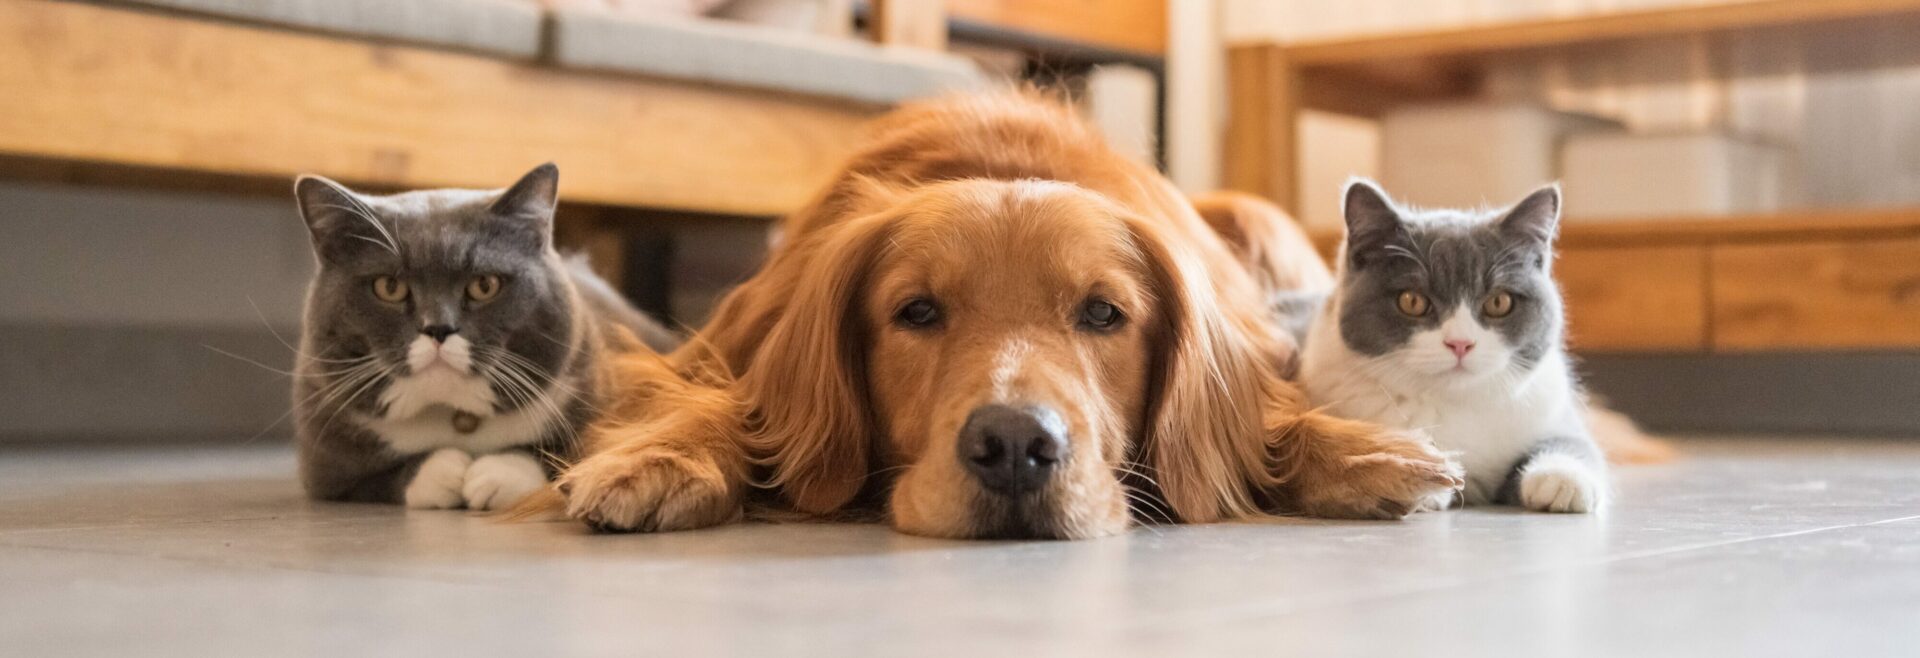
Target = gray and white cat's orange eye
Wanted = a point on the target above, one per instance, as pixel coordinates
(1497, 305)
(483, 287)
(390, 289)
(1413, 304)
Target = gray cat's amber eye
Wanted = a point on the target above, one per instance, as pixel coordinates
(1413, 304)
(390, 289)
(1497, 305)
(483, 287)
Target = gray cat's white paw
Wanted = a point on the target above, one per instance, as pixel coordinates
(501, 480)
(1555, 483)
(438, 483)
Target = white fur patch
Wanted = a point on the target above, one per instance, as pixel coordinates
(1560, 483)
(499, 481)
(1006, 366)
(438, 374)
(439, 482)
(432, 427)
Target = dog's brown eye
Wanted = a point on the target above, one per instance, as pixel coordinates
(918, 313)
(390, 289)
(1413, 304)
(1497, 305)
(1098, 314)
(483, 287)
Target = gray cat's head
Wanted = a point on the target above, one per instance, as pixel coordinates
(1451, 296)
(457, 295)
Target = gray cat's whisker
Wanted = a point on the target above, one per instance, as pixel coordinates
(390, 244)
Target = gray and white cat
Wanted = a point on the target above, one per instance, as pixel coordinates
(448, 351)
(1449, 321)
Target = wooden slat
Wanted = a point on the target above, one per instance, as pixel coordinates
(1817, 295)
(1262, 146)
(1787, 227)
(910, 23)
(1635, 299)
(85, 83)
(1135, 25)
(1523, 35)
(1739, 229)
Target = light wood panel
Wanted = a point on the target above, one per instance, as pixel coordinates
(81, 82)
(911, 23)
(1635, 299)
(1599, 28)
(1798, 226)
(1818, 295)
(1263, 145)
(1136, 25)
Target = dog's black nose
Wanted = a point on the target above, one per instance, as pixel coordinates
(1012, 450)
(439, 332)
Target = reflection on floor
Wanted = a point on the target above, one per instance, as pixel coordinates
(1746, 548)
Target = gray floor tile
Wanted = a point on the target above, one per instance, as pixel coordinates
(1747, 547)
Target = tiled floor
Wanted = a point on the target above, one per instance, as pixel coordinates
(1746, 548)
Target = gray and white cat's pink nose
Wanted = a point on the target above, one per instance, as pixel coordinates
(1459, 346)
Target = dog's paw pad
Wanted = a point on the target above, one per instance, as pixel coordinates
(649, 491)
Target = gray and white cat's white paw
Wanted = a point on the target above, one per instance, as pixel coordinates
(438, 483)
(498, 481)
(1558, 483)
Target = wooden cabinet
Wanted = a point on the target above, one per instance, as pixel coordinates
(1817, 295)
(1635, 298)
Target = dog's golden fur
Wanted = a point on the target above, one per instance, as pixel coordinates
(1011, 214)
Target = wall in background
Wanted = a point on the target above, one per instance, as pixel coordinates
(1842, 101)
(116, 300)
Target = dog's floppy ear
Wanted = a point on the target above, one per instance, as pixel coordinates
(807, 382)
(1204, 441)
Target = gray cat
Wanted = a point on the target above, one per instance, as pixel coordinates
(448, 352)
(1450, 322)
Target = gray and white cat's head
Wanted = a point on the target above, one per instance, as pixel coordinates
(1449, 297)
(463, 285)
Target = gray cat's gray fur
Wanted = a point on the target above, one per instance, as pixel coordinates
(523, 380)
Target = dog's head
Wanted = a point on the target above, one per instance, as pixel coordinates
(1007, 359)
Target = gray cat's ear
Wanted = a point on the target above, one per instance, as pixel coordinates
(1372, 221)
(1535, 219)
(533, 197)
(337, 220)
(321, 200)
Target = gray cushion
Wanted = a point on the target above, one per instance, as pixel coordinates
(752, 56)
(505, 27)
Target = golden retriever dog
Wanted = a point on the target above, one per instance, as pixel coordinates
(991, 325)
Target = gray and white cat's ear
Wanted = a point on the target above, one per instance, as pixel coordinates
(1535, 219)
(533, 197)
(1372, 219)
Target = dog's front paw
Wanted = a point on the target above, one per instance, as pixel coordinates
(649, 490)
(499, 481)
(438, 483)
(1401, 474)
(1552, 483)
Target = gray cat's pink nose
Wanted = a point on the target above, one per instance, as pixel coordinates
(1460, 347)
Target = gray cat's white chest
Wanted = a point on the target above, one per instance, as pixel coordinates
(436, 427)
